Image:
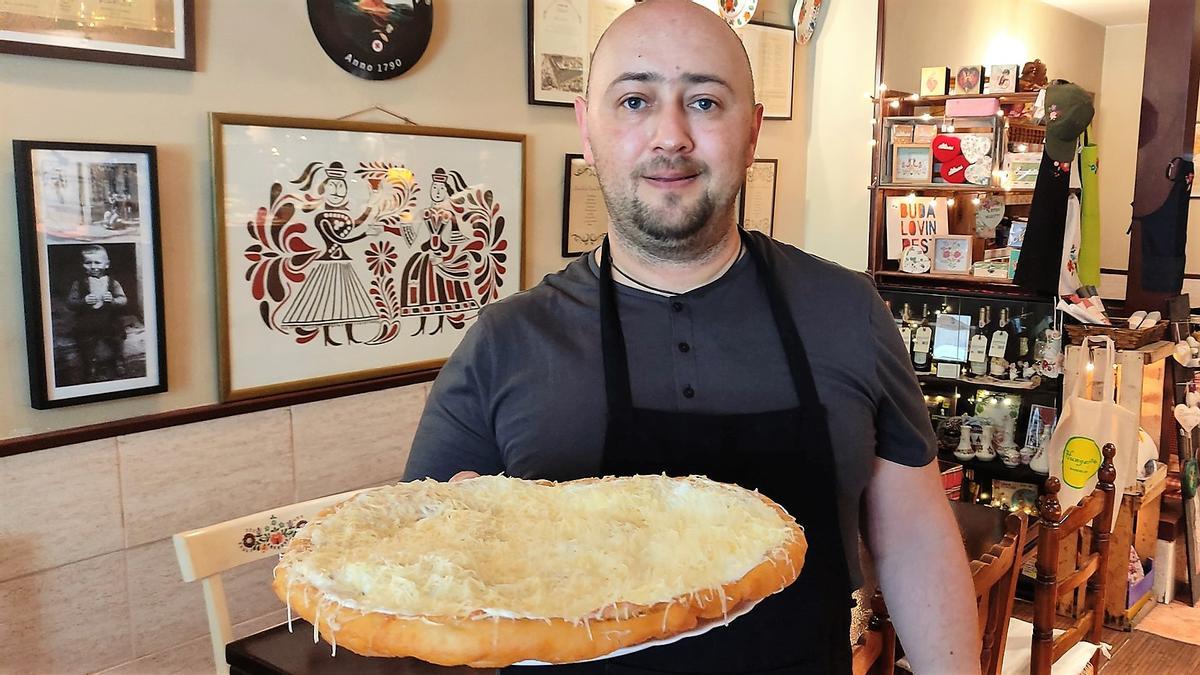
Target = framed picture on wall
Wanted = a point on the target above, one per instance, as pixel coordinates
(91, 263)
(155, 33)
(585, 215)
(351, 250)
(756, 208)
(562, 36)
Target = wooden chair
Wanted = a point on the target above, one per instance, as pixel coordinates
(206, 552)
(1055, 527)
(995, 576)
(994, 540)
(1035, 648)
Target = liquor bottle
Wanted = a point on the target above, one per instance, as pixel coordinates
(977, 347)
(905, 325)
(1002, 347)
(1023, 344)
(922, 342)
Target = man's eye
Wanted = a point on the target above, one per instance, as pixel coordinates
(704, 104)
(634, 103)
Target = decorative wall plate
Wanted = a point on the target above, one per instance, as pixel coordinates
(372, 39)
(738, 12)
(804, 16)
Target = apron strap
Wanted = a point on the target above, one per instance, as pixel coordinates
(793, 346)
(618, 391)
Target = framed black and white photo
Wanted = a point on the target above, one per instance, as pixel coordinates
(585, 215)
(91, 270)
(154, 33)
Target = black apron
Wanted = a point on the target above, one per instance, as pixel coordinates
(785, 454)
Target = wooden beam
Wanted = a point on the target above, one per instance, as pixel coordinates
(1168, 119)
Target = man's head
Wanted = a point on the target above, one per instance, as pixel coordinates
(95, 260)
(670, 124)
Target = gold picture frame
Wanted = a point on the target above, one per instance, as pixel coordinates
(400, 233)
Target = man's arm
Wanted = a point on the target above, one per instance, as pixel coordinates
(922, 568)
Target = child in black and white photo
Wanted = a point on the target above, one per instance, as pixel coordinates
(97, 302)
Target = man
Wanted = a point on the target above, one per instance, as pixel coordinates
(687, 346)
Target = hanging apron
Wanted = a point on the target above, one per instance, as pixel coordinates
(785, 454)
(1164, 233)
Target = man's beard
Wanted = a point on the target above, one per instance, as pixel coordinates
(690, 235)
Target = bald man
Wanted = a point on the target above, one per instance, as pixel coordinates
(685, 345)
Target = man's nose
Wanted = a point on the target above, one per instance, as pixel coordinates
(672, 134)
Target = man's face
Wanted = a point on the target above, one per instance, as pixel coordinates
(670, 125)
(95, 264)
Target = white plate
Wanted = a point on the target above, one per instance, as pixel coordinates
(702, 628)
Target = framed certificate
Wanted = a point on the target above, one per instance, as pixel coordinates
(756, 210)
(562, 35)
(772, 52)
(585, 216)
(155, 33)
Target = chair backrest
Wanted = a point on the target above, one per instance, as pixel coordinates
(995, 575)
(205, 552)
(1055, 527)
(875, 653)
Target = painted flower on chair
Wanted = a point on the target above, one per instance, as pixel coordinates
(275, 535)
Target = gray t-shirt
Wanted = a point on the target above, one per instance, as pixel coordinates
(524, 395)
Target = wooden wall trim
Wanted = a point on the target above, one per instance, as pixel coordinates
(133, 425)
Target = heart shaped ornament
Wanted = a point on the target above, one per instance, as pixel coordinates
(1188, 418)
(975, 147)
(914, 261)
(988, 215)
(980, 173)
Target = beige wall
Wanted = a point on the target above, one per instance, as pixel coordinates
(261, 57)
(1119, 104)
(88, 577)
(838, 134)
(922, 33)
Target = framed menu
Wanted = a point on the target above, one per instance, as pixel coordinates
(774, 13)
(562, 36)
(585, 216)
(156, 33)
(772, 52)
(756, 210)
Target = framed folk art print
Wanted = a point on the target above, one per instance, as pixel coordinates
(92, 271)
(156, 33)
(351, 250)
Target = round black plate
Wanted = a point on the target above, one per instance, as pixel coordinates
(373, 39)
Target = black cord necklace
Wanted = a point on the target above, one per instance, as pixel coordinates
(741, 247)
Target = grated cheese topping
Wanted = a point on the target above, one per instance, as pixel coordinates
(508, 548)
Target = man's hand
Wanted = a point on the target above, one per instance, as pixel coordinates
(463, 475)
(922, 567)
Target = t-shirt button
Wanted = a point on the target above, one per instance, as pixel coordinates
(685, 347)
(677, 306)
(688, 392)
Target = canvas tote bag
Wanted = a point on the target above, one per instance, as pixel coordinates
(1074, 451)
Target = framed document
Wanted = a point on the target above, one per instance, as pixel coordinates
(562, 35)
(756, 209)
(92, 270)
(585, 216)
(351, 250)
(774, 13)
(156, 33)
(772, 52)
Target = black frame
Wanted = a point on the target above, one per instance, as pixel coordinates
(774, 195)
(187, 62)
(566, 207)
(31, 254)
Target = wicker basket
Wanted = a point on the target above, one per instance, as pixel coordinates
(1027, 133)
(1123, 338)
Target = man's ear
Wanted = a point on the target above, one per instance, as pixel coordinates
(581, 123)
(755, 129)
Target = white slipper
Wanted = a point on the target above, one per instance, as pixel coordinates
(1137, 318)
